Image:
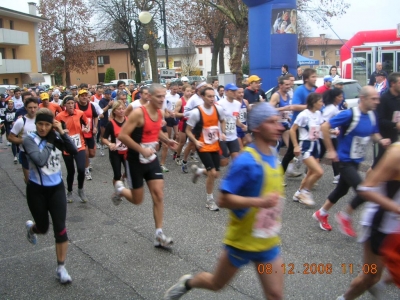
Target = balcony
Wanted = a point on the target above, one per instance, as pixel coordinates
(13, 37)
(10, 66)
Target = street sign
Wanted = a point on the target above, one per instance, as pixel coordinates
(167, 73)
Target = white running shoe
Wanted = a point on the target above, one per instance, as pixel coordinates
(62, 275)
(296, 196)
(98, 146)
(88, 175)
(177, 290)
(291, 172)
(211, 205)
(195, 173)
(116, 199)
(306, 198)
(161, 240)
(29, 234)
(70, 197)
(118, 184)
(82, 195)
(336, 179)
(15, 160)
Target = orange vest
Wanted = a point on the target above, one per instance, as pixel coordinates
(209, 134)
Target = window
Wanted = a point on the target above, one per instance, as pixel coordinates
(11, 24)
(101, 77)
(14, 53)
(311, 53)
(177, 64)
(103, 60)
(3, 53)
(200, 62)
(200, 50)
(337, 63)
(5, 81)
(1, 23)
(323, 52)
(123, 76)
(337, 52)
(16, 81)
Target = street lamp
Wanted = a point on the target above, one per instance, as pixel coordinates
(145, 18)
(145, 47)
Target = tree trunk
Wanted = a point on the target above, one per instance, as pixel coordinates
(68, 78)
(218, 42)
(152, 55)
(222, 59)
(236, 58)
(138, 75)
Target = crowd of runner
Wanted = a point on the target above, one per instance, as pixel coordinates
(237, 128)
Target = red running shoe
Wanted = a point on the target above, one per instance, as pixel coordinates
(323, 221)
(345, 225)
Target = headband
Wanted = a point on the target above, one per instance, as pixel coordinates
(45, 118)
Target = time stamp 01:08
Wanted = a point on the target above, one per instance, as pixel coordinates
(314, 268)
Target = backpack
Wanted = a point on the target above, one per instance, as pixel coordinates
(355, 119)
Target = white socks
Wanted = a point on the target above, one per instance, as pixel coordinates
(323, 212)
(210, 197)
(158, 231)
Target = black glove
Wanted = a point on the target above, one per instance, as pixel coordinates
(51, 137)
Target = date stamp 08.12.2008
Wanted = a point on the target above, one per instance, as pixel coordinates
(316, 268)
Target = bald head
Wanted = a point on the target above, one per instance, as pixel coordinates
(369, 98)
(378, 66)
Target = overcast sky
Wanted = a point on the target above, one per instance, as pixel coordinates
(362, 15)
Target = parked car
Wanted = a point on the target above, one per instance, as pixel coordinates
(5, 87)
(127, 81)
(351, 89)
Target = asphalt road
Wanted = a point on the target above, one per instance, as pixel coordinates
(111, 253)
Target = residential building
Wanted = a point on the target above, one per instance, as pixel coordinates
(326, 50)
(20, 61)
(193, 60)
(109, 55)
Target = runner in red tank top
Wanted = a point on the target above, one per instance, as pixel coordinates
(179, 108)
(140, 134)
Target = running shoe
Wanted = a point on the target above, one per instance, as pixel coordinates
(160, 240)
(178, 161)
(102, 150)
(211, 205)
(164, 169)
(345, 225)
(88, 175)
(62, 275)
(306, 198)
(296, 196)
(336, 179)
(15, 160)
(193, 158)
(90, 167)
(196, 176)
(98, 146)
(179, 289)
(8, 144)
(116, 199)
(29, 234)
(323, 221)
(82, 195)
(184, 168)
(70, 197)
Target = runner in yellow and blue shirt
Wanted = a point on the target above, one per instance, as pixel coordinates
(253, 191)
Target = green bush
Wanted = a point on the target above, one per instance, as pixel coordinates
(110, 75)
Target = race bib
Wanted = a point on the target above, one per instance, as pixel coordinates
(146, 160)
(90, 125)
(77, 140)
(267, 222)
(120, 145)
(396, 116)
(284, 116)
(2, 110)
(359, 147)
(230, 126)
(243, 115)
(173, 104)
(53, 164)
(210, 134)
(314, 133)
(10, 117)
(109, 112)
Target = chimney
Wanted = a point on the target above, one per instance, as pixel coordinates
(32, 8)
(322, 35)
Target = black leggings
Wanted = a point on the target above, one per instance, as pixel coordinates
(80, 160)
(349, 177)
(43, 200)
(116, 160)
(289, 153)
(335, 164)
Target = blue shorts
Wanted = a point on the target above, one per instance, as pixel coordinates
(239, 258)
(23, 160)
(241, 134)
(309, 148)
(171, 122)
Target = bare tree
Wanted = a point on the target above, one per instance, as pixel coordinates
(65, 38)
(303, 32)
(189, 63)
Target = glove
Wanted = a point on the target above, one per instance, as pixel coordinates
(51, 137)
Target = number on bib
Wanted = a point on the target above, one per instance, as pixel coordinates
(230, 126)
(243, 115)
(314, 133)
(77, 140)
(53, 164)
(211, 134)
(10, 117)
(120, 145)
(358, 147)
(267, 222)
(146, 160)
